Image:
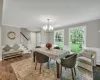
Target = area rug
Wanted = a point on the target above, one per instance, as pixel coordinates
(24, 70)
(96, 73)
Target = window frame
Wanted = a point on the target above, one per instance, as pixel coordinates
(62, 37)
(85, 30)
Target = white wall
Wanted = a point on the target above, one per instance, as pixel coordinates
(0, 36)
(92, 35)
(1, 7)
(43, 38)
(6, 40)
(46, 37)
(0, 45)
(25, 32)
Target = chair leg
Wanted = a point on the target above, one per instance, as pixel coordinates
(40, 68)
(34, 57)
(75, 70)
(50, 59)
(35, 65)
(61, 71)
(48, 64)
(72, 74)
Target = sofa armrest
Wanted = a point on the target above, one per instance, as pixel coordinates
(3, 51)
(93, 59)
(79, 55)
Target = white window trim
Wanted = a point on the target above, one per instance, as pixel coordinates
(84, 27)
(55, 33)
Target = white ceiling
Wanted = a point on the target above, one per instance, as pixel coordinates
(34, 13)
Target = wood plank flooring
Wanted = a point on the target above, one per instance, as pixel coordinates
(6, 71)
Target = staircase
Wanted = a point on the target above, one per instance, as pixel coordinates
(26, 50)
(24, 42)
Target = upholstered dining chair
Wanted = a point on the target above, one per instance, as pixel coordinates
(40, 58)
(38, 47)
(69, 62)
(56, 47)
(35, 53)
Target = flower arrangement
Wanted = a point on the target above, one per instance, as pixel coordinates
(48, 45)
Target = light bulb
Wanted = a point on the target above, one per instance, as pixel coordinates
(50, 28)
(45, 28)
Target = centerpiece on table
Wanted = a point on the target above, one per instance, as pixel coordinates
(49, 45)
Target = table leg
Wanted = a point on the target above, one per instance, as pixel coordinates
(33, 56)
(58, 67)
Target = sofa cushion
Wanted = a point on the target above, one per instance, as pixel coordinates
(89, 53)
(85, 60)
(84, 54)
(10, 53)
(15, 47)
(11, 50)
(7, 48)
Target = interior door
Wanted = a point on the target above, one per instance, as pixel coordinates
(33, 39)
(38, 39)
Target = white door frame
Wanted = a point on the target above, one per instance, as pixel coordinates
(84, 27)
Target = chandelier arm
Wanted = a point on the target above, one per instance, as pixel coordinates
(48, 27)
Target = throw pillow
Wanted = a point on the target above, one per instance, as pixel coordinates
(12, 50)
(84, 54)
(7, 48)
(15, 47)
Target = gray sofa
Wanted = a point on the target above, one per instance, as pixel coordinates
(9, 52)
(87, 60)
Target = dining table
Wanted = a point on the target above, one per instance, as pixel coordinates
(55, 54)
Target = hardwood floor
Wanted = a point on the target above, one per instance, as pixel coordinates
(6, 71)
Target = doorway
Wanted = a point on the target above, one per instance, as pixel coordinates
(77, 36)
(35, 39)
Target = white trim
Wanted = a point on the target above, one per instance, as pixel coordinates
(84, 27)
(59, 31)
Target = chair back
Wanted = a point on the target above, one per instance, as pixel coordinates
(56, 47)
(89, 53)
(38, 47)
(40, 58)
(70, 61)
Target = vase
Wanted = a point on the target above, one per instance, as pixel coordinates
(48, 48)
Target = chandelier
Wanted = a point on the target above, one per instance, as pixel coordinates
(48, 27)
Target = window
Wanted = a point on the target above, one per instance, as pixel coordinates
(77, 39)
(59, 38)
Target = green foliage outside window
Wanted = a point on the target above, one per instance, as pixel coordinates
(59, 38)
(77, 40)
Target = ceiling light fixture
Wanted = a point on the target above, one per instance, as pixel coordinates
(48, 27)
